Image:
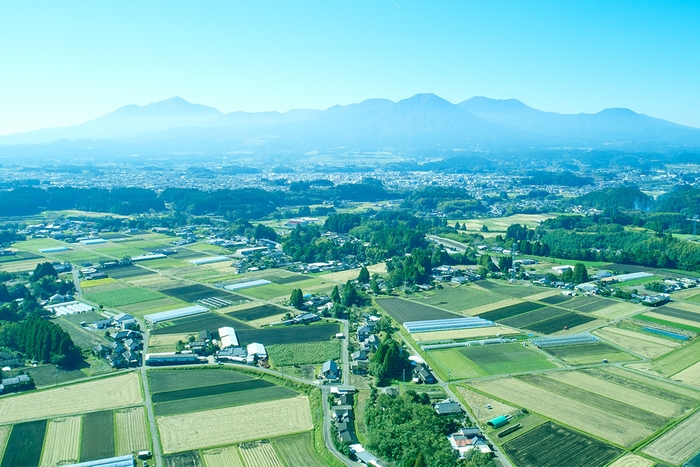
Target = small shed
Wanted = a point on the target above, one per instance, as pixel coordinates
(498, 421)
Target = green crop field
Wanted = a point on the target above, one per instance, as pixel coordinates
(173, 380)
(590, 353)
(24, 445)
(451, 364)
(678, 360)
(270, 291)
(219, 401)
(125, 296)
(298, 450)
(512, 310)
(405, 310)
(460, 298)
(508, 290)
(289, 334)
(547, 445)
(526, 319)
(560, 323)
(257, 312)
(506, 358)
(303, 353)
(201, 322)
(214, 390)
(192, 293)
(97, 437)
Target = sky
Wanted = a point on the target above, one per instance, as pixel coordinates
(63, 63)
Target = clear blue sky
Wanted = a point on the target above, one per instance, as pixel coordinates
(67, 62)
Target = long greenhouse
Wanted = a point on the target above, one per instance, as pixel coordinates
(446, 324)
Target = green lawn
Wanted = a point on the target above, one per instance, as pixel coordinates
(451, 364)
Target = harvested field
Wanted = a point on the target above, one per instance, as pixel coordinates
(538, 294)
(192, 293)
(198, 323)
(506, 358)
(288, 334)
(258, 312)
(405, 310)
(691, 323)
(662, 407)
(97, 436)
(223, 457)
(125, 296)
(259, 454)
(674, 362)
(303, 354)
(127, 272)
(62, 443)
(585, 354)
(576, 414)
(685, 306)
(457, 334)
(679, 443)
(646, 345)
(460, 298)
(214, 390)
(630, 460)
(103, 393)
(618, 311)
(690, 375)
(183, 459)
(143, 308)
(4, 435)
(686, 397)
(510, 311)
(172, 380)
(477, 403)
(548, 444)
(230, 399)
(598, 305)
(132, 433)
(527, 319)
(560, 323)
(235, 424)
(298, 450)
(24, 445)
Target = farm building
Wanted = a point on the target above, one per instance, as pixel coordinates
(121, 461)
(154, 359)
(208, 260)
(177, 313)
(243, 252)
(498, 421)
(8, 360)
(57, 249)
(93, 241)
(227, 337)
(244, 285)
(11, 384)
(448, 407)
(330, 370)
(256, 351)
(233, 354)
(468, 439)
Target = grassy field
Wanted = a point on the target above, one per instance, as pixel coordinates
(132, 432)
(303, 353)
(585, 354)
(646, 345)
(451, 364)
(103, 393)
(223, 457)
(24, 445)
(173, 380)
(258, 312)
(674, 362)
(296, 450)
(125, 296)
(506, 358)
(458, 298)
(501, 224)
(97, 437)
(547, 445)
(477, 404)
(62, 443)
(259, 454)
(679, 443)
(405, 310)
(234, 424)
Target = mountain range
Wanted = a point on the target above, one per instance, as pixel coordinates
(424, 121)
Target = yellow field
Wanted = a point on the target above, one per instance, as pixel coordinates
(690, 375)
(571, 412)
(619, 310)
(654, 382)
(685, 294)
(502, 223)
(62, 442)
(234, 424)
(630, 460)
(166, 339)
(679, 443)
(132, 432)
(222, 457)
(463, 333)
(351, 274)
(490, 306)
(545, 294)
(477, 404)
(581, 328)
(619, 393)
(265, 321)
(96, 283)
(672, 319)
(99, 394)
(259, 455)
(642, 344)
(4, 434)
(685, 306)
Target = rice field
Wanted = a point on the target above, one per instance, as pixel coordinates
(298, 449)
(62, 442)
(631, 460)
(259, 454)
(132, 432)
(223, 457)
(24, 444)
(678, 444)
(99, 394)
(97, 436)
(234, 424)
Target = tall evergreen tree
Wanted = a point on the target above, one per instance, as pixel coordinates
(363, 277)
(297, 298)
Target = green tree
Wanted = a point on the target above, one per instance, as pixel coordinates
(43, 270)
(4, 294)
(263, 231)
(580, 274)
(297, 298)
(389, 361)
(363, 277)
(374, 287)
(350, 296)
(335, 295)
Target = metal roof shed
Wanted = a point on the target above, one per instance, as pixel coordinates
(498, 421)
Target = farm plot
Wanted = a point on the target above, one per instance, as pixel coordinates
(230, 399)
(172, 380)
(481, 309)
(516, 291)
(24, 445)
(179, 394)
(451, 364)
(477, 402)
(461, 334)
(460, 298)
(289, 334)
(287, 279)
(104, 393)
(679, 443)
(183, 459)
(62, 443)
(559, 323)
(546, 446)
(82, 337)
(259, 454)
(597, 305)
(4, 435)
(674, 362)
(127, 272)
(681, 395)
(97, 436)
(257, 312)
(574, 413)
(585, 354)
(303, 353)
(19, 256)
(298, 449)
(669, 321)
(646, 345)
(527, 319)
(192, 293)
(235, 424)
(404, 310)
(630, 460)
(198, 323)
(510, 311)
(554, 299)
(132, 433)
(125, 296)
(678, 313)
(506, 358)
(223, 457)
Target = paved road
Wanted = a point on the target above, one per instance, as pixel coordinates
(461, 247)
(328, 435)
(344, 351)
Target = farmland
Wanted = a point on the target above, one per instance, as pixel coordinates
(404, 310)
(259, 454)
(97, 436)
(510, 311)
(646, 345)
(192, 293)
(132, 433)
(546, 446)
(103, 393)
(128, 272)
(171, 380)
(455, 334)
(125, 296)
(584, 354)
(179, 394)
(4, 435)
(24, 444)
(62, 443)
(630, 460)
(460, 298)
(303, 353)
(198, 323)
(506, 358)
(183, 459)
(560, 323)
(289, 334)
(223, 457)
(229, 399)
(674, 362)
(258, 312)
(679, 443)
(296, 450)
(235, 424)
